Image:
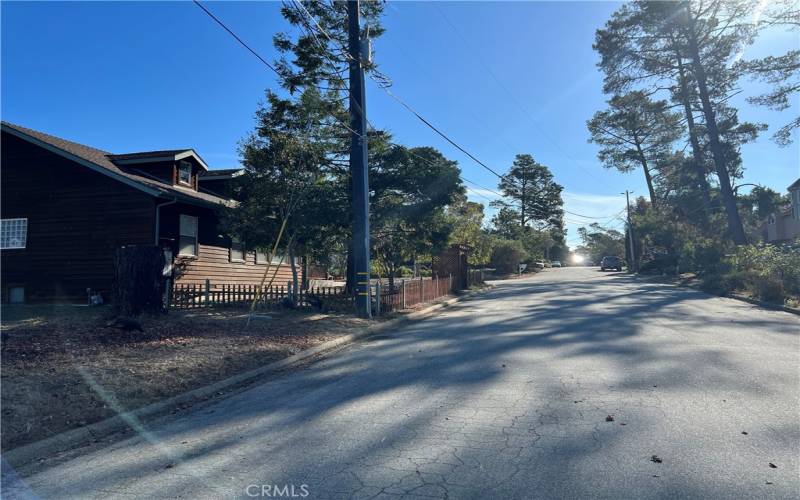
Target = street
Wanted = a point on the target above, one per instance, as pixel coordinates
(570, 384)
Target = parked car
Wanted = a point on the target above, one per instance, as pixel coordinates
(556, 263)
(538, 264)
(611, 262)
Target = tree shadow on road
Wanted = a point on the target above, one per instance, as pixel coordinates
(352, 411)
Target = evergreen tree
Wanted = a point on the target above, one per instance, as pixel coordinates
(635, 132)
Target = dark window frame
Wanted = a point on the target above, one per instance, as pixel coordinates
(181, 166)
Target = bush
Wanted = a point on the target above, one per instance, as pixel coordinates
(716, 284)
(771, 273)
(768, 289)
(405, 271)
(507, 255)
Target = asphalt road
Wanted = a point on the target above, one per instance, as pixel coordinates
(509, 395)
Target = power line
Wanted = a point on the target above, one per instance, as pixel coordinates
(420, 117)
(236, 37)
(384, 87)
(258, 56)
(519, 104)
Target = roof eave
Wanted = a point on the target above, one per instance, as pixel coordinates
(86, 163)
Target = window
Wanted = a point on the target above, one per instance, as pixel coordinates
(237, 251)
(13, 233)
(185, 172)
(281, 257)
(261, 258)
(188, 236)
(796, 203)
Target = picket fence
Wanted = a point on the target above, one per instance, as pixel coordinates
(404, 294)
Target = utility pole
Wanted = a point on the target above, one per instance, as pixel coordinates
(358, 164)
(632, 264)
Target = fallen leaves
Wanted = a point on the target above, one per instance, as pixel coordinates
(610, 418)
(656, 459)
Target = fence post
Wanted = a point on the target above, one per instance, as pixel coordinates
(450, 283)
(208, 291)
(421, 289)
(404, 293)
(378, 297)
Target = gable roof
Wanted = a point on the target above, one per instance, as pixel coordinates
(794, 185)
(100, 161)
(221, 174)
(151, 156)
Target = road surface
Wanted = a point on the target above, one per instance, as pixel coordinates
(570, 384)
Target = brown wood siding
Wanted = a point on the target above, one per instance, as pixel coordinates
(214, 264)
(76, 219)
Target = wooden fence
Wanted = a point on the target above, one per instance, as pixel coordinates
(406, 293)
(410, 292)
(191, 296)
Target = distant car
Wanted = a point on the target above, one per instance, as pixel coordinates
(538, 264)
(556, 263)
(611, 262)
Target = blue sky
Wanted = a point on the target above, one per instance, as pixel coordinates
(499, 78)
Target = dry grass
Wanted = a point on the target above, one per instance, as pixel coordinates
(62, 367)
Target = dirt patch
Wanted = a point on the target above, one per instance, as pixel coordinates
(62, 367)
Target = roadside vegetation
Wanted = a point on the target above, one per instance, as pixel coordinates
(670, 70)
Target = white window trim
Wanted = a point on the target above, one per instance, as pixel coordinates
(181, 165)
(230, 252)
(24, 238)
(196, 235)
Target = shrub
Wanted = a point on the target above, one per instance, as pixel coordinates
(768, 289)
(405, 271)
(772, 273)
(716, 284)
(507, 255)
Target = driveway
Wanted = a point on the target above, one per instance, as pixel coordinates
(573, 383)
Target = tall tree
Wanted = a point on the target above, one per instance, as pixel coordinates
(783, 72)
(671, 45)
(598, 242)
(411, 189)
(287, 178)
(466, 220)
(635, 132)
(314, 54)
(536, 196)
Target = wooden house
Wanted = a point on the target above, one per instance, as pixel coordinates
(66, 207)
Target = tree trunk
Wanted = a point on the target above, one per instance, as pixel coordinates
(138, 282)
(304, 279)
(697, 152)
(734, 220)
(647, 176)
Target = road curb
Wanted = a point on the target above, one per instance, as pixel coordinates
(75, 437)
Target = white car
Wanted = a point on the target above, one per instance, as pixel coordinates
(556, 263)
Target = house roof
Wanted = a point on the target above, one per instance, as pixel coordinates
(794, 185)
(101, 161)
(151, 156)
(221, 173)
